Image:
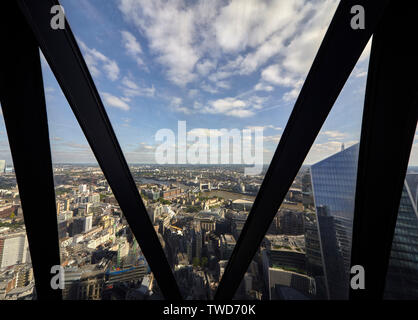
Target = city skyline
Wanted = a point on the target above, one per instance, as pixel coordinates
(198, 214)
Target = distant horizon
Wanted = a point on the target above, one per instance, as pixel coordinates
(162, 165)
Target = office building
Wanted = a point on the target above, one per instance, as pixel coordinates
(94, 198)
(402, 276)
(227, 246)
(81, 225)
(291, 222)
(333, 186)
(288, 285)
(83, 188)
(288, 259)
(13, 249)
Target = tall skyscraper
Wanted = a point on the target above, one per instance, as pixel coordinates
(334, 186)
(402, 276)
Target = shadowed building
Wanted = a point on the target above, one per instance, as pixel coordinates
(402, 276)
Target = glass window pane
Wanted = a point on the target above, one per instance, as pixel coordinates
(188, 86)
(402, 275)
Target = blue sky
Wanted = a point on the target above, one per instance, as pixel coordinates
(215, 64)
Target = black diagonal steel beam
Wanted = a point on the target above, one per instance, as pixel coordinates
(336, 58)
(66, 61)
(24, 111)
(388, 128)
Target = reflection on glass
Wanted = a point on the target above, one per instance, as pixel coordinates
(402, 275)
(334, 185)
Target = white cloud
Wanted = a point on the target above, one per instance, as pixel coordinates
(132, 46)
(333, 134)
(169, 27)
(257, 102)
(297, 47)
(359, 72)
(190, 38)
(219, 75)
(269, 126)
(240, 113)
(263, 87)
(176, 105)
(129, 83)
(300, 52)
(176, 101)
(287, 31)
(115, 102)
(275, 74)
(131, 89)
(208, 88)
(141, 153)
(223, 84)
(112, 70)
(229, 106)
(276, 23)
(292, 94)
(274, 138)
(205, 66)
(202, 132)
(320, 151)
(96, 60)
(249, 23)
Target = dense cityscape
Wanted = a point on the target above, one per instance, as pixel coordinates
(198, 213)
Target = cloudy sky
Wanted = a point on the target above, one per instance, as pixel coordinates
(214, 64)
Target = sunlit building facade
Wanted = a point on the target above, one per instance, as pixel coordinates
(334, 185)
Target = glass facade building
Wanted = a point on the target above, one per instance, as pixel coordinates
(333, 186)
(402, 277)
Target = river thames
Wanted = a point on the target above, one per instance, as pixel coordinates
(227, 195)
